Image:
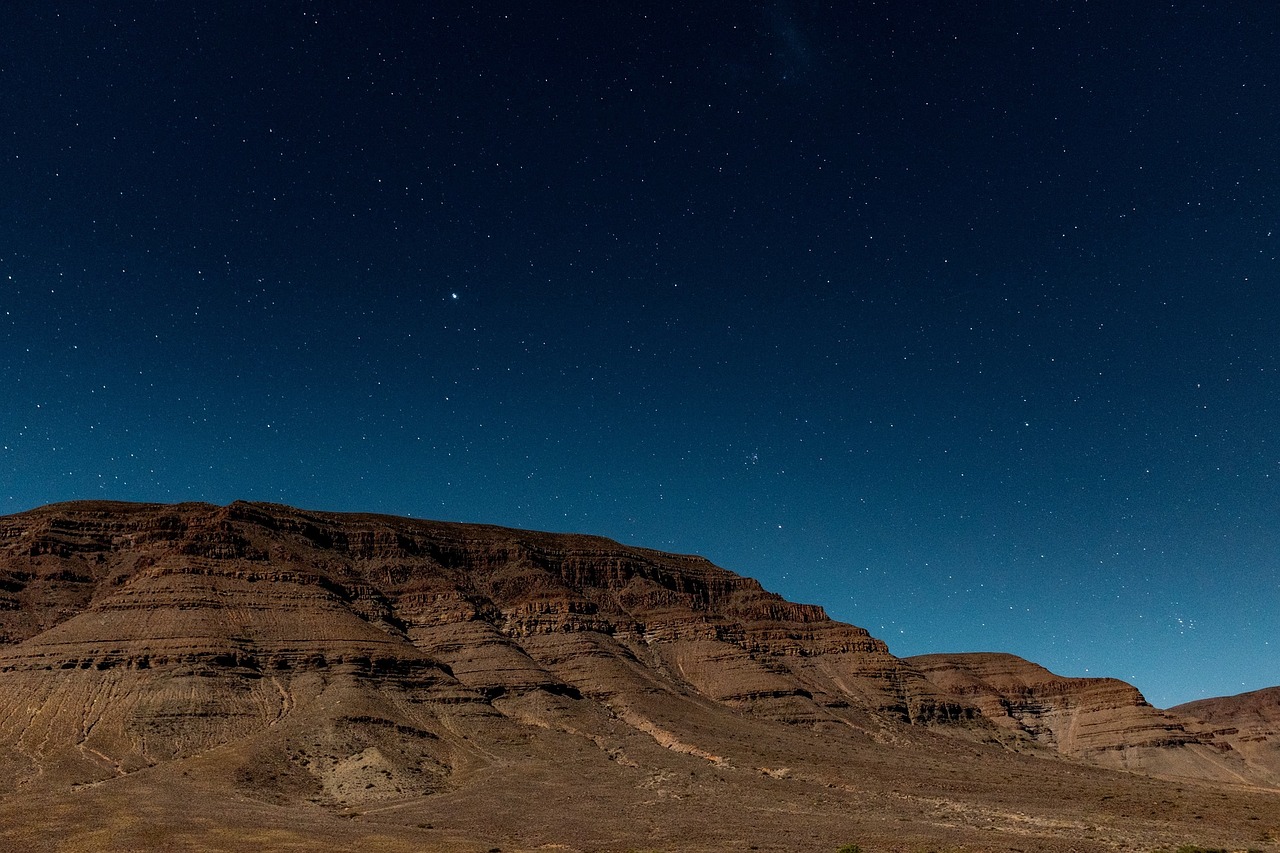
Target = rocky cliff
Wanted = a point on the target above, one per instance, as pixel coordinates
(1247, 724)
(150, 633)
(201, 677)
(1101, 720)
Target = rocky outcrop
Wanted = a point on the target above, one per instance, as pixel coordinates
(151, 633)
(1247, 725)
(1101, 720)
(204, 677)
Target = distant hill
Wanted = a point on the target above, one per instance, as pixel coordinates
(1101, 720)
(1247, 724)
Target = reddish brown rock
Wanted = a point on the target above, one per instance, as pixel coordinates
(272, 588)
(1101, 720)
(1247, 725)
(184, 627)
(201, 677)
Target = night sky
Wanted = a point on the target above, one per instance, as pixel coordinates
(960, 319)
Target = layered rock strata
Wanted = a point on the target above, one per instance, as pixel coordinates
(1101, 720)
(349, 660)
(136, 634)
(1247, 724)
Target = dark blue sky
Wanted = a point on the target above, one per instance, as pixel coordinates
(960, 319)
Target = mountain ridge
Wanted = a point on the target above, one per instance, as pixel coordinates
(360, 663)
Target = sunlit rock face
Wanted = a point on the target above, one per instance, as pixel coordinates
(1247, 724)
(136, 634)
(200, 677)
(1101, 720)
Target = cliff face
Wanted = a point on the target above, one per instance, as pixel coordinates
(151, 633)
(1247, 724)
(201, 677)
(1101, 720)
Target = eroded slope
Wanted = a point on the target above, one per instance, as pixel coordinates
(1247, 724)
(1101, 720)
(200, 677)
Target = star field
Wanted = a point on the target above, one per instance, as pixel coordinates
(958, 320)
